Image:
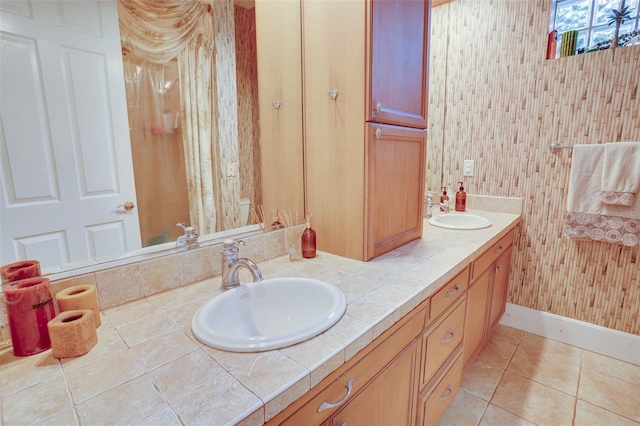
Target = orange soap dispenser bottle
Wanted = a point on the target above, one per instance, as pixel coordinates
(461, 199)
(308, 241)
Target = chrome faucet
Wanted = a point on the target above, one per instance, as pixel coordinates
(190, 237)
(231, 264)
(431, 205)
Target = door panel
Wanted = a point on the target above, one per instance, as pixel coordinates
(64, 140)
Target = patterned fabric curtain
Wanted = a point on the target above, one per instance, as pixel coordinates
(195, 64)
(158, 30)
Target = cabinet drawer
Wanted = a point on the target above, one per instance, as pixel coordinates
(442, 341)
(488, 257)
(357, 377)
(449, 293)
(436, 400)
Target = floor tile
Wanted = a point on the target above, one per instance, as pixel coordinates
(612, 367)
(465, 409)
(481, 379)
(508, 333)
(611, 393)
(563, 352)
(496, 416)
(592, 415)
(497, 352)
(533, 401)
(546, 369)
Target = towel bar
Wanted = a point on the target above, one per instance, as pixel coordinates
(555, 147)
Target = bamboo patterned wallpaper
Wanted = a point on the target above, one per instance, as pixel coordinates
(496, 100)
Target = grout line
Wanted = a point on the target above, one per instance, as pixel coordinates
(575, 400)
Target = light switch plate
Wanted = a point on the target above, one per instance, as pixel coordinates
(468, 168)
(231, 169)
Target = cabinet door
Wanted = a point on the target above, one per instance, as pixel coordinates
(501, 270)
(390, 398)
(279, 38)
(475, 320)
(398, 66)
(394, 187)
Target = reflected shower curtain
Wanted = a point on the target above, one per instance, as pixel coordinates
(195, 64)
(158, 31)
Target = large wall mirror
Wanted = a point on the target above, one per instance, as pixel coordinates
(154, 129)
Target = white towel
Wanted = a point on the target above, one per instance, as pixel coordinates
(589, 218)
(621, 173)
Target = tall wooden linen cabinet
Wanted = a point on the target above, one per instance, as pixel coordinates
(364, 106)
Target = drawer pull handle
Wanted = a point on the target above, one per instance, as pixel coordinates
(452, 292)
(447, 396)
(327, 405)
(498, 249)
(448, 339)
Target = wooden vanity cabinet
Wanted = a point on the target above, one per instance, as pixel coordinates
(394, 185)
(433, 402)
(487, 295)
(279, 50)
(412, 371)
(389, 365)
(365, 67)
(500, 289)
(399, 63)
(475, 326)
(390, 398)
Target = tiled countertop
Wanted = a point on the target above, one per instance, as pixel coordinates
(147, 368)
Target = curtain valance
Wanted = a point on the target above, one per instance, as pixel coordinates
(157, 30)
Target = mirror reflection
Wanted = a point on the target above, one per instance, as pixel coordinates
(179, 176)
(65, 128)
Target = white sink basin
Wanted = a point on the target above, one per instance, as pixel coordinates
(269, 314)
(460, 221)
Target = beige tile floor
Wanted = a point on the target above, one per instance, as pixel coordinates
(524, 379)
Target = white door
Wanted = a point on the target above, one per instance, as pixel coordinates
(64, 136)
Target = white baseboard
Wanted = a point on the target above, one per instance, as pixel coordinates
(594, 338)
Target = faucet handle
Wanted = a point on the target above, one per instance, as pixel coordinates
(230, 247)
(189, 231)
